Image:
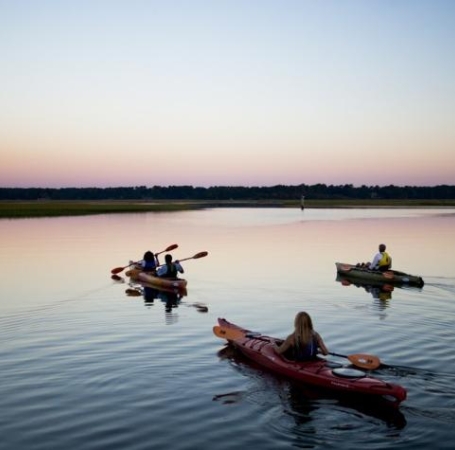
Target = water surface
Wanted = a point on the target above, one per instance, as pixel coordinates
(83, 365)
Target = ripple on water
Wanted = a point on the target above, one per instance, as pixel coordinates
(99, 369)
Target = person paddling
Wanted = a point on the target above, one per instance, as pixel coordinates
(382, 261)
(170, 269)
(304, 343)
(149, 263)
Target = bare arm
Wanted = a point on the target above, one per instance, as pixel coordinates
(321, 345)
(285, 345)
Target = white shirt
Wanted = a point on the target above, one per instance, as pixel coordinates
(375, 263)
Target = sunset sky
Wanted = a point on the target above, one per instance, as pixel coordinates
(226, 92)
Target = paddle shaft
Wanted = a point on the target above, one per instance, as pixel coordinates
(338, 354)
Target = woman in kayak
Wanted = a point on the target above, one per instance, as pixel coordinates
(149, 262)
(304, 343)
(169, 269)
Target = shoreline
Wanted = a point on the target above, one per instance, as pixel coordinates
(55, 208)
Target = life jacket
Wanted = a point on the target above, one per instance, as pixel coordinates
(148, 266)
(171, 271)
(385, 260)
(306, 351)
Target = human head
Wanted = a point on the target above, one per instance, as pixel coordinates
(168, 258)
(382, 248)
(303, 322)
(148, 256)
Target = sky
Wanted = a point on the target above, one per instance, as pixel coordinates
(107, 93)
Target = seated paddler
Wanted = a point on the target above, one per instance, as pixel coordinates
(304, 343)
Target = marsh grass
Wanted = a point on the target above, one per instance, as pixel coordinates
(48, 208)
(82, 208)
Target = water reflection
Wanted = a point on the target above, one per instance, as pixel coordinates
(53, 323)
(171, 298)
(149, 294)
(380, 292)
(303, 402)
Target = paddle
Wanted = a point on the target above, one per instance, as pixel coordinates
(133, 292)
(120, 269)
(168, 249)
(361, 360)
(228, 333)
(196, 256)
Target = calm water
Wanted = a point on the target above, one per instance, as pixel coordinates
(83, 365)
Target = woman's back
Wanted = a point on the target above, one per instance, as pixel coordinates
(303, 351)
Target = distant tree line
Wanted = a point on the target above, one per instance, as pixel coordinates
(278, 192)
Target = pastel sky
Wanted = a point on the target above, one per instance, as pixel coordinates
(226, 92)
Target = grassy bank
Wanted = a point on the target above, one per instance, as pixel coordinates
(13, 209)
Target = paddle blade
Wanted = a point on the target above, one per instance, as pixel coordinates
(119, 269)
(365, 361)
(227, 333)
(168, 249)
(133, 292)
(196, 256)
(200, 255)
(201, 307)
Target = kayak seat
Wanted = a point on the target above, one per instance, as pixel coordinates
(346, 372)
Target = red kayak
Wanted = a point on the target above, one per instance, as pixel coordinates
(319, 372)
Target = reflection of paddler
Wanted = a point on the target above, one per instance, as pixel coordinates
(384, 295)
(386, 292)
(380, 294)
(149, 294)
(171, 299)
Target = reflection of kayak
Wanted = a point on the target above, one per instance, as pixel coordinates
(141, 287)
(172, 297)
(301, 398)
(319, 372)
(171, 283)
(180, 291)
(389, 277)
(376, 288)
(346, 280)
